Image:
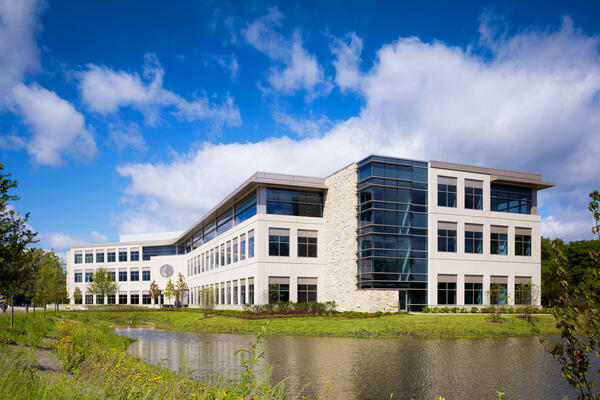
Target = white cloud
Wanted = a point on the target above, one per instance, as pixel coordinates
(296, 68)
(98, 237)
(57, 128)
(347, 51)
(310, 126)
(59, 240)
(105, 90)
(228, 62)
(518, 108)
(18, 49)
(127, 136)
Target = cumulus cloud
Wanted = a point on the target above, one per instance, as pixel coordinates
(309, 126)
(57, 128)
(518, 108)
(347, 52)
(98, 237)
(105, 90)
(124, 136)
(59, 240)
(296, 68)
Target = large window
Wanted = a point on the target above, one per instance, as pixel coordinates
(134, 255)
(224, 222)
(447, 237)
(245, 209)
(78, 277)
(89, 257)
(523, 291)
(294, 202)
(307, 290)
(251, 245)
(446, 191)
(499, 240)
(110, 256)
(123, 276)
(122, 298)
(228, 252)
(99, 299)
(134, 275)
(146, 275)
(146, 299)
(148, 252)
(100, 257)
(522, 241)
(222, 262)
(235, 250)
(473, 290)
(279, 242)
(307, 243)
(251, 291)
(135, 298)
(111, 299)
(89, 299)
(498, 290)
(111, 275)
(279, 289)
(446, 289)
(243, 247)
(473, 238)
(78, 258)
(89, 276)
(473, 194)
(122, 255)
(516, 200)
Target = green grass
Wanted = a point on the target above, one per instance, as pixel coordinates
(451, 326)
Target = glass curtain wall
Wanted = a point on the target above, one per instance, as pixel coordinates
(392, 227)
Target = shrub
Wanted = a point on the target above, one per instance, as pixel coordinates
(378, 313)
(330, 305)
(474, 310)
(426, 309)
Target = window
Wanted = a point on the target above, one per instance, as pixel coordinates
(523, 291)
(243, 247)
(473, 194)
(122, 255)
(228, 252)
(122, 298)
(110, 256)
(146, 299)
(222, 295)
(89, 299)
(473, 238)
(89, 276)
(446, 191)
(134, 275)
(222, 255)
(148, 252)
(279, 242)
(251, 245)
(510, 199)
(446, 289)
(224, 222)
(498, 293)
(473, 290)
(78, 301)
(279, 289)
(245, 209)
(99, 299)
(251, 291)
(89, 257)
(135, 298)
(212, 259)
(307, 290)
(294, 202)
(447, 236)
(134, 255)
(78, 277)
(235, 250)
(146, 275)
(100, 257)
(242, 291)
(235, 292)
(499, 240)
(307, 243)
(111, 275)
(522, 241)
(123, 276)
(78, 258)
(111, 299)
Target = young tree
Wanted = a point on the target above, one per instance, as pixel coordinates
(103, 283)
(50, 280)
(77, 295)
(15, 236)
(207, 300)
(154, 291)
(180, 289)
(169, 290)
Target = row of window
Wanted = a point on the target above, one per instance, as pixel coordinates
(279, 242)
(279, 290)
(227, 253)
(503, 198)
(134, 275)
(474, 239)
(111, 256)
(473, 291)
(122, 298)
(225, 293)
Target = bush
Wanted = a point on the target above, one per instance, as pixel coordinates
(378, 313)
(474, 310)
(509, 310)
(426, 309)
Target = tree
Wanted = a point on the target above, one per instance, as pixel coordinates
(169, 290)
(15, 237)
(180, 289)
(50, 280)
(154, 291)
(77, 295)
(207, 300)
(103, 283)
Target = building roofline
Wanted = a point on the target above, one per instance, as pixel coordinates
(163, 242)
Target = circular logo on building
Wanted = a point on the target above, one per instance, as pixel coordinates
(166, 270)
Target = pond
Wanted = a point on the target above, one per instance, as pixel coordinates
(349, 368)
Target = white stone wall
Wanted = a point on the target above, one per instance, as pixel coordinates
(339, 243)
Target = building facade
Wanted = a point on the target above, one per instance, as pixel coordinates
(382, 234)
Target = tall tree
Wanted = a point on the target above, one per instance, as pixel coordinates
(15, 236)
(169, 290)
(50, 280)
(180, 289)
(103, 283)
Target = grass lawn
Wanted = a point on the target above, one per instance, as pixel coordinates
(446, 326)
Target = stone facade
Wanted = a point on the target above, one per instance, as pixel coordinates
(340, 245)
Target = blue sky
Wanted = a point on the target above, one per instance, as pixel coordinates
(121, 118)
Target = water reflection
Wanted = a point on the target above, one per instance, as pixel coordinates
(370, 368)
